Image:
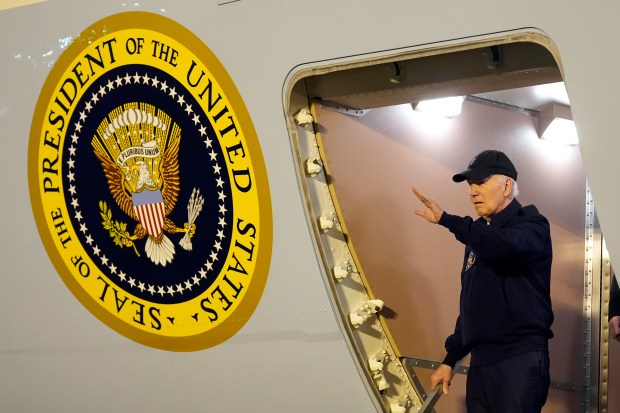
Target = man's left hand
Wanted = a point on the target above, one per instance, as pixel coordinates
(433, 211)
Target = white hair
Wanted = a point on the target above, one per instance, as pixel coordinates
(515, 188)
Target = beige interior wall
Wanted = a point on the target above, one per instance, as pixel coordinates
(414, 266)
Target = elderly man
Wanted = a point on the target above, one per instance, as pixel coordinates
(505, 304)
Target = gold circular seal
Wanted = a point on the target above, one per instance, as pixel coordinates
(148, 184)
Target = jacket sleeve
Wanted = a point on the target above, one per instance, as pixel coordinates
(614, 298)
(454, 346)
(524, 241)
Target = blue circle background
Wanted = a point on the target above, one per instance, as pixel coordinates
(196, 171)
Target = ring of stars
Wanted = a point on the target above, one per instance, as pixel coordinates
(154, 289)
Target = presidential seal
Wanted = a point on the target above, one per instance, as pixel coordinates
(148, 184)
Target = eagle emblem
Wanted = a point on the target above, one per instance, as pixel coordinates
(138, 147)
(471, 259)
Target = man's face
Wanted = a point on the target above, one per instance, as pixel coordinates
(490, 195)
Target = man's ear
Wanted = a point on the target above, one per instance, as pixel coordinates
(508, 186)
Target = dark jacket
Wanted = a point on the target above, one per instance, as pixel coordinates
(614, 298)
(505, 303)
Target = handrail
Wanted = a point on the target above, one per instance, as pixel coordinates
(459, 368)
(433, 397)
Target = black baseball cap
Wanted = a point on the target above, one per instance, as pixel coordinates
(486, 163)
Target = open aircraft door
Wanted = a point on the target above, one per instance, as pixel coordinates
(360, 145)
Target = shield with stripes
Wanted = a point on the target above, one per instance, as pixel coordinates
(149, 207)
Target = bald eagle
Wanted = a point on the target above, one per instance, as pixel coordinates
(149, 203)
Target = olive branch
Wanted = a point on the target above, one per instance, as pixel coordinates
(118, 230)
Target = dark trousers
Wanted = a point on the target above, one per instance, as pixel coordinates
(516, 385)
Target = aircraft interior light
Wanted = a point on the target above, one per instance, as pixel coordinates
(555, 124)
(445, 107)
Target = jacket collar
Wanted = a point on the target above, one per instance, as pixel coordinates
(503, 216)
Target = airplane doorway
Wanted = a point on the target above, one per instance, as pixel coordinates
(368, 146)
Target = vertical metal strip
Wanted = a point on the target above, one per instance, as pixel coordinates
(587, 297)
